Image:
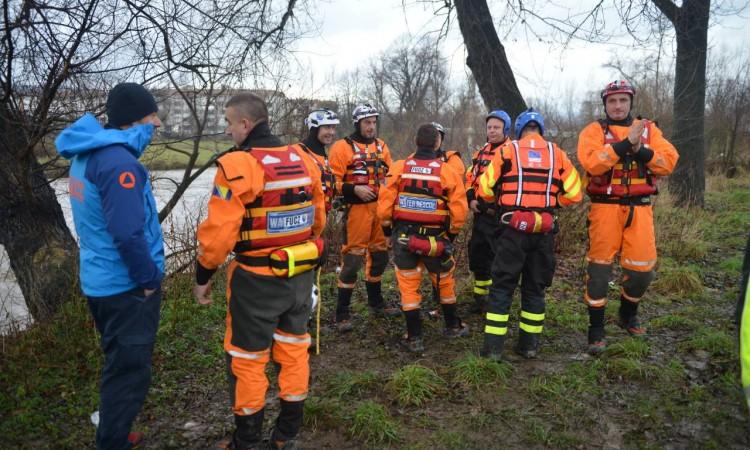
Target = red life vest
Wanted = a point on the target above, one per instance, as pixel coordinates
(531, 178)
(283, 213)
(366, 161)
(328, 180)
(421, 199)
(627, 178)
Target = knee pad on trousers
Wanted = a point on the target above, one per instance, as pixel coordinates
(634, 284)
(350, 267)
(379, 261)
(597, 284)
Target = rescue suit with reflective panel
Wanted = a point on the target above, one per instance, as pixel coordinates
(424, 202)
(620, 185)
(266, 197)
(527, 179)
(484, 226)
(356, 161)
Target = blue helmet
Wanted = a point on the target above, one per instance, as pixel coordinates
(502, 115)
(527, 116)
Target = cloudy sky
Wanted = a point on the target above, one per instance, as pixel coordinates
(350, 32)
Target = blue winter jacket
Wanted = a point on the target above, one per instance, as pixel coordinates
(114, 210)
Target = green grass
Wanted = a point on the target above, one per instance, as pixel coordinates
(679, 282)
(472, 371)
(634, 348)
(165, 156)
(372, 424)
(322, 413)
(717, 342)
(350, 384)
(673, 322)
(414, 385)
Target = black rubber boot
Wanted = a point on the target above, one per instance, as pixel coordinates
(342, 304)
(596, 341)
(528, 344)
(493, 347)
(376, 302)
(287, 425)
(480, 304)
(629, 318)
(248, 434)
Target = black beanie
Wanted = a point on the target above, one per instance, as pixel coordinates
(129, 102)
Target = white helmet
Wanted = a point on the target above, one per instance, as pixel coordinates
(363, 111)
(320, 117)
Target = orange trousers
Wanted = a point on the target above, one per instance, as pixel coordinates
(629, 232)
(266, 317)
(364, 238)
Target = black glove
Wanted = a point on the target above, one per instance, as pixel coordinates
(387, 230)
(452, 236)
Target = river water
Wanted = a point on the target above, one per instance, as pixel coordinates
(178, 234)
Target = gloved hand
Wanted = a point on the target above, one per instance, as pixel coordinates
(452, 236)
(387, 230)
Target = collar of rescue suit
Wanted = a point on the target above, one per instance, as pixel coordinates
(357, 137)
(260, 136)
(425, 153)
(312, 142)
(626, 122)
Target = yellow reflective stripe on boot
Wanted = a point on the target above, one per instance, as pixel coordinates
(481, 287)
(497, 317)
(535, 317)
(532, 316)
(500, 331)
(530, 328)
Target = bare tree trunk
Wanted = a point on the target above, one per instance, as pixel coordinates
(690, 21)
(41, 250)
(487, 59)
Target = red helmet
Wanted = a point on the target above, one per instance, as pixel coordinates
(618, 87)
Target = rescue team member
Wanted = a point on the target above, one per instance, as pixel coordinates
(452, 157)
(122, 251)
(423, 206)
(360, 162)
(622, 158)
(268, 208)
(528, 179)
(743, 314)
(486, 224)
(321, 124)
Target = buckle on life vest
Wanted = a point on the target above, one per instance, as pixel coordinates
(530, 222)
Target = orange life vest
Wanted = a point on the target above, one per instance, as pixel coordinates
(328, 180)
(371, 162)
(627, 178)
(421, 199)
(482, 160)
(531, 178)
(283, 214)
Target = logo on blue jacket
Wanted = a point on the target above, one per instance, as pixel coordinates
(289, 221)
(417, 203)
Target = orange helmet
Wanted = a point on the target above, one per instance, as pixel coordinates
(618, 87)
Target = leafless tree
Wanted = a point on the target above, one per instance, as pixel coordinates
(59, 57)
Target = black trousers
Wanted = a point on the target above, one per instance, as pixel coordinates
(529, 258)
(127, 323)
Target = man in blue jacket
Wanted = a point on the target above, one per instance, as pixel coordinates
(121, 250)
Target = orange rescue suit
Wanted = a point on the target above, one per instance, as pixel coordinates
(263, 199)
(534, 175)
(621, 216)
(409, 181)
(348, 159)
